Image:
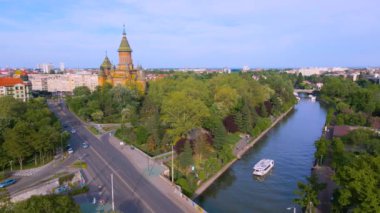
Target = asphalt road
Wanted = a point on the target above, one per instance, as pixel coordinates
(132, 192)
(29, 181)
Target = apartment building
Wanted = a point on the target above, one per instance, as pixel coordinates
(15, 87)
(62, 82)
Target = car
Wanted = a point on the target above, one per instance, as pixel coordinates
(61, 189)
(85, 145)
(73, 131)
(70, 150)
(7, 183)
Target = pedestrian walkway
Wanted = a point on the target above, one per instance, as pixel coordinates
(324, 174)
(152, 170)
(241, 145)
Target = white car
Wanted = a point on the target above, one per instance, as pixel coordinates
(85, 145)
(73, 131)
(70, 150)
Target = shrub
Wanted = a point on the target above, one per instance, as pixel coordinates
(78, 191)
(66, 178)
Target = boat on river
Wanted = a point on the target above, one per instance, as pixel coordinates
(262, 167)
(312, 97)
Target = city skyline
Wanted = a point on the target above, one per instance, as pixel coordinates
(183, 34)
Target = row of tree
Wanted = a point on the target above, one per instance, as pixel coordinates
(28, 130)
(356, 161)
(106, 104)
(197, 113)
(43, 203)
(356, 156)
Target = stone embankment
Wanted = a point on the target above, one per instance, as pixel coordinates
(244, 145)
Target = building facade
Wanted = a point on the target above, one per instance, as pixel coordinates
(62, 82)
(124, 73)
(19, 88)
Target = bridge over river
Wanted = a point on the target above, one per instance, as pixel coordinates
(309, 91)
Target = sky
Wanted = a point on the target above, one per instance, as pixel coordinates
(191, 33)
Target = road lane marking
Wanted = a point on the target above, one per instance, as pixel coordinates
(115, 172)
(81, 124)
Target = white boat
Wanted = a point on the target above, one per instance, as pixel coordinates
(263, 167)
(312, 97)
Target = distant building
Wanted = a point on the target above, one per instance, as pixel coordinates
(319, 86)
(19, 88)
(125, 73)
(61, 67)
(45, 68)
(246, 68)
(227, 70)
(62, 82)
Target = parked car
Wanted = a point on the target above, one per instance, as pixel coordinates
(7, 183)
(70, 150)
(73, 131)
(85, 145)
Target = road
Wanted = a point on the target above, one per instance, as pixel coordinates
(132, 191)
(51, 169)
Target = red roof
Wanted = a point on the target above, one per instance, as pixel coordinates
(340, 131)
(375, 122)
(10, 81)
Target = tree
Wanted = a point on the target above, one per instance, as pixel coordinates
(308, 192)
(225, 98)
(82, 91)
(322, 148)
(97, 116)
(358, 182)
(17, 141)
(186, 157)
(201, 147)
(299, 81)
(4, 198)
(47, 203)
(215, 125)
(183, 114)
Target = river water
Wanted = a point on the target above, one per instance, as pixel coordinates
(291, 145)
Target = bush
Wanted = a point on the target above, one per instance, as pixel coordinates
(141, 135)
(78, 191)
(261, 125)
(66, 178)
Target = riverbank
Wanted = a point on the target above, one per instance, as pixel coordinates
(249, 145)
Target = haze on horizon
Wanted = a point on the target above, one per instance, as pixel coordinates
(184, 33)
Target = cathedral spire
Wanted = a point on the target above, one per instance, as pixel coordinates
(124, 45)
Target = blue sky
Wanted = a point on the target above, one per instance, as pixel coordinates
(192, 33)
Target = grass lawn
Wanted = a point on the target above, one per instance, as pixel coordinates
(79, 164)
(93, 130)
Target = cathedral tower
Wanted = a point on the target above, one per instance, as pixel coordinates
(125, 54)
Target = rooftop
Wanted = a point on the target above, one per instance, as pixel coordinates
(10, 81)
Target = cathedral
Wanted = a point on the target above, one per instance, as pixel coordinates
(125, 73)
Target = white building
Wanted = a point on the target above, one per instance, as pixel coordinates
(62, 82)
(246, 68)
(15, 87)
(45, 67)
(61, 67)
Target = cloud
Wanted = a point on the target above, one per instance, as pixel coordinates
(176, 33)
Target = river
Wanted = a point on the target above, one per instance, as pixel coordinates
(291, 145)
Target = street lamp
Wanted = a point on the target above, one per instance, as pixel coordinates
(290, 208)
(172, 163)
